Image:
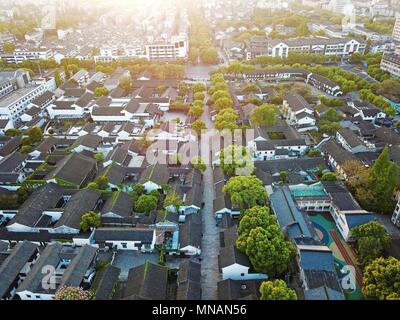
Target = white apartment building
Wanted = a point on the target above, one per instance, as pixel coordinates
(108, 51)
(82, 77)
(16, 103)
(391, 64)
(176, 47)
(339, 6)
(396, 215)
(17, 91)
(19, 56)
(325, 46)
(396, 29)
(6, 87)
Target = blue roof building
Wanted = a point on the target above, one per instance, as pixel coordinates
(317, 273)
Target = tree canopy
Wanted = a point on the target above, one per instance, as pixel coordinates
(198, 163)
(268, 250)
(102, 182)
(146, 203)
(101, 91)
(276, 290)
(264, 116)
(250, 219)
(236, 160)
(90, 220)
(197, 126)
(371, 239)
(245, 192)
(382, 279)
(374, 188)
(226, 119)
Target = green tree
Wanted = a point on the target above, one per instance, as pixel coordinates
(221, 94)
(198, 163)
(245, 192)
(90, 220)
(329, 176)
(217, 78)
(312, 153)
(57, 78)
(99, 156)
(197, 126)
(25, 149)
(13, 132)
(284, 176)
(125, 82)
(226, 119)
(382, 279)
(276, 290)
(199, 87)
(371, 240)
(137, 190)
(223, 103)
(35, 134)
(264, 116)
(183, 88)
(236, 160)
(22, 194)
(356, 58)
(218, 86)
(73, 293)
(209, 55)
(390, 87)
(102, 182)
(199, 96)
(146, 203)
(250, 219)
(93, 185)
(101, 91)
(196, 111)
(173, 199)
(384, 176)
(8, 47)
(268, 250)
(198, 103)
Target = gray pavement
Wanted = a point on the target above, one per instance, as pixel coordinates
(391, 229)
(210, 246)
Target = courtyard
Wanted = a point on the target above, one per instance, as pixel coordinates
(327, 231)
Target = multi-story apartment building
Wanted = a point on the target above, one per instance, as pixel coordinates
(325, 46)
(15, 104)
(339, 6)
(17, 93)
(391, 64)
(396, 215)
(396, 30)
(176, 47)
(6, 37)
(12, 80)
(19, 56)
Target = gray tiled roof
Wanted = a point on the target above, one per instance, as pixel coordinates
(81, 202)
(148, 281)
(78, 267)
(44, 198)
(12, 266)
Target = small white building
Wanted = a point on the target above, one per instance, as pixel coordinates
(136, 239)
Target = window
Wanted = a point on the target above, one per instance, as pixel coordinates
(124, 245)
